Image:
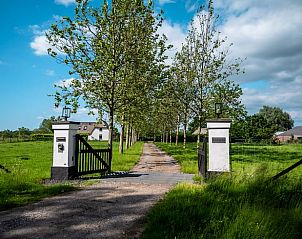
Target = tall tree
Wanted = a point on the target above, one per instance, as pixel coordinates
(101, 45)
(278, 119)
(208, 60)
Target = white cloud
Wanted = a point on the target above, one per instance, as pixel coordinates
(268, 34)
(65, 2)
(162, 2)
(40, 45)
(192, 5)
(65, 82)
(176, 35)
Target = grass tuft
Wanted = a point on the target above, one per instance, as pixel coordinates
(229, 208)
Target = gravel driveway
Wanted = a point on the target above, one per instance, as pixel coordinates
(114, 208)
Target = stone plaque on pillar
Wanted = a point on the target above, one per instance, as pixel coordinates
(63, 166)
(219, 146)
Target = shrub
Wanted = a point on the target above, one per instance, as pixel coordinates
(41, 137)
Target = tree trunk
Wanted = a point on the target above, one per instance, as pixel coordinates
(121, 147)
(110, 140)
(177, 130)
(185, 134)
(127, 137)
(170, 136)
(130, 137)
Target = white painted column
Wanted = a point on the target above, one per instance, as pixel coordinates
(63, 166)
(219, 145)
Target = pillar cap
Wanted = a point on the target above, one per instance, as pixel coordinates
(64, 122)
(219, 120)
(65, 125)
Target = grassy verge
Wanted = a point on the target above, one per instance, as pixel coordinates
(244, 158)
(26, 164)
(229, 208)
(246, 204)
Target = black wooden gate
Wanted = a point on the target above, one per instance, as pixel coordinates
(89, 160)
(202, 159)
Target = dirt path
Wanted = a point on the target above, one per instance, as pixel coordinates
(110, 209)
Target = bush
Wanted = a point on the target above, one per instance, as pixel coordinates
(41, 137)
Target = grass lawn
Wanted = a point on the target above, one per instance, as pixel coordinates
(26, 164)
(245, 158)
(246, 204)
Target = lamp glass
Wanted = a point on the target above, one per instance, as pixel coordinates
(218, 109)
(66, 112)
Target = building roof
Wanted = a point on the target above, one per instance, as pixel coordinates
(294, 131)
(203, 131)
(88, 127)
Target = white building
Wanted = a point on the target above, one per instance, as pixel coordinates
(95, 131)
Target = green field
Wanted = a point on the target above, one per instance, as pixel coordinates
(244, 204)
(245, 158)
(27, 164)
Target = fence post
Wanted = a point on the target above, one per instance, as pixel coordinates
(202, 159)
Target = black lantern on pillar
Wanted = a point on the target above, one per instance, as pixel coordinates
(218, 109)
(66, 113)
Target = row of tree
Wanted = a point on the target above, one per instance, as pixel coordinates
(22, 133)
(119, 61)
(199, 77)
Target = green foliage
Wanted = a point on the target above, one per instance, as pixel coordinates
(201, 72)
(278, 119)
(41, 137)
(22, 134)
(254, 127)
(262, 125)
(46, 125)
(228, 207)
(115, 53)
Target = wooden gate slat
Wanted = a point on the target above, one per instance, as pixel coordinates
(89, 160)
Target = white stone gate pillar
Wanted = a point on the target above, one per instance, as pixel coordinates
(219, 145)
(63, 166)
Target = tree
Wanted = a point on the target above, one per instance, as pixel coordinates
(262, 125)
(46, 125)
(253, 127)
(278, 119)
(104, 46)
(23, 132)
(206, 69)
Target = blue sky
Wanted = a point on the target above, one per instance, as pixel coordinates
(267, 32)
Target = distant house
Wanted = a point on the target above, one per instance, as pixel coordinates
(95, 131)
(294, 133)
